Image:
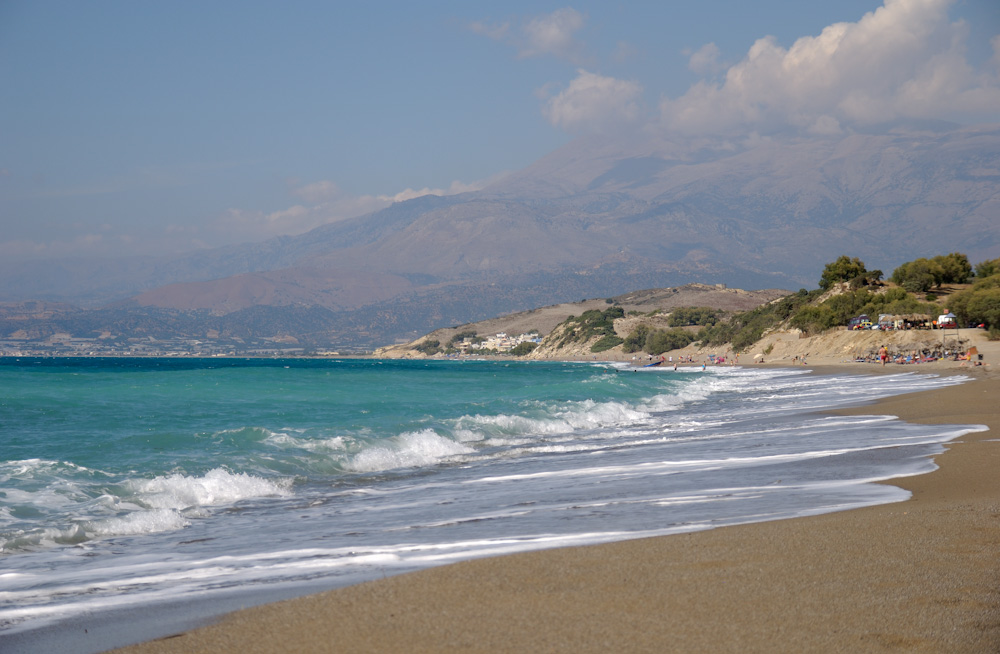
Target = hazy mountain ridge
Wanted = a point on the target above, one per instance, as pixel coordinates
(596, 218)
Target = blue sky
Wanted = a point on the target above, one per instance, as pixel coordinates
(146, 128)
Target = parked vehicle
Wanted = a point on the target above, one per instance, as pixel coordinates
(861, 322)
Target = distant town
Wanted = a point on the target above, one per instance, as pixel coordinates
(65, 345)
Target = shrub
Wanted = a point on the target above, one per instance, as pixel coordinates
(591, 323)
(637, 339)
(954, 268)
(461, 336)
(522, 349)
(919, 275)
(987, 268)
(813, 320)
(429, 347)
(662, 340)
(979, 304)
(606, 342)
(686, 316)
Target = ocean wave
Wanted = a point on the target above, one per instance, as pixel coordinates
(218, 486)
(408, 450)
(48, 491)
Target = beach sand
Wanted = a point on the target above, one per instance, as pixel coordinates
(916, 576)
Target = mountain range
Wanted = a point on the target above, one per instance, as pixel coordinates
(599, 217)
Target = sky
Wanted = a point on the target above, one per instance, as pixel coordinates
(139, 127)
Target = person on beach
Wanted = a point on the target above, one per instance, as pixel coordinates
(883, 354)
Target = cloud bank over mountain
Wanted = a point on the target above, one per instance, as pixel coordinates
(905, 60)
(222, 137)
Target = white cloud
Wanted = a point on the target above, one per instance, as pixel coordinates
(706, 60)
(325, 203)
(455, 188)
(904, 60)
(551, 34)
(297, 219)
(594, 103)
(317, 191)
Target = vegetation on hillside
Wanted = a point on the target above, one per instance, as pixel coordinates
(580, 329)
(846, 269)
(981, 303)
(847, 289)
(921, 274)
(839, 309)
(745, 329)
(688, 316)
(429, 347)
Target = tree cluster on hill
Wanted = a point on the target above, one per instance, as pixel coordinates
(981, 303)
(977, 305)
(839, 309)
(580, 329)
(919, 275)
(645, 338)
(745, 329)
(804, 310)
(688, 316)
(847, 269)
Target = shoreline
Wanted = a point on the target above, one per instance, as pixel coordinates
(917, 576)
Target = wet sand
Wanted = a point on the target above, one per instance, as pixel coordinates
(916, 576)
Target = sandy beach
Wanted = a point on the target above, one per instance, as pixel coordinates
(916, 576)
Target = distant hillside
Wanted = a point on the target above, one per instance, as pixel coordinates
(543, 320)
(594, 219)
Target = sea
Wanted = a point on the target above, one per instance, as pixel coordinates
(140, 497)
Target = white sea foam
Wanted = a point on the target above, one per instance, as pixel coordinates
(721, 447)
(138, 522)
(218, 486)
(407, 450)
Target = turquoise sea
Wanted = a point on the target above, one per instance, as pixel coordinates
(162, 492)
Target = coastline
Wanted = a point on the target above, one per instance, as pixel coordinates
(916, 576)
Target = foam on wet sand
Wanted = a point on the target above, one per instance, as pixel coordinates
(916, 576)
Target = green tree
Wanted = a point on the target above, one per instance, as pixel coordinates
(987, 268)
(636, 340)
(687, 316)
(606, 342)
(664, 340)
(522, 349)
(984, 307)
(844, 269)
(979, 304)
(461, 336)
(917, 276)
(813, 320)
(954, 268)
(429, 347)
(589, 324)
